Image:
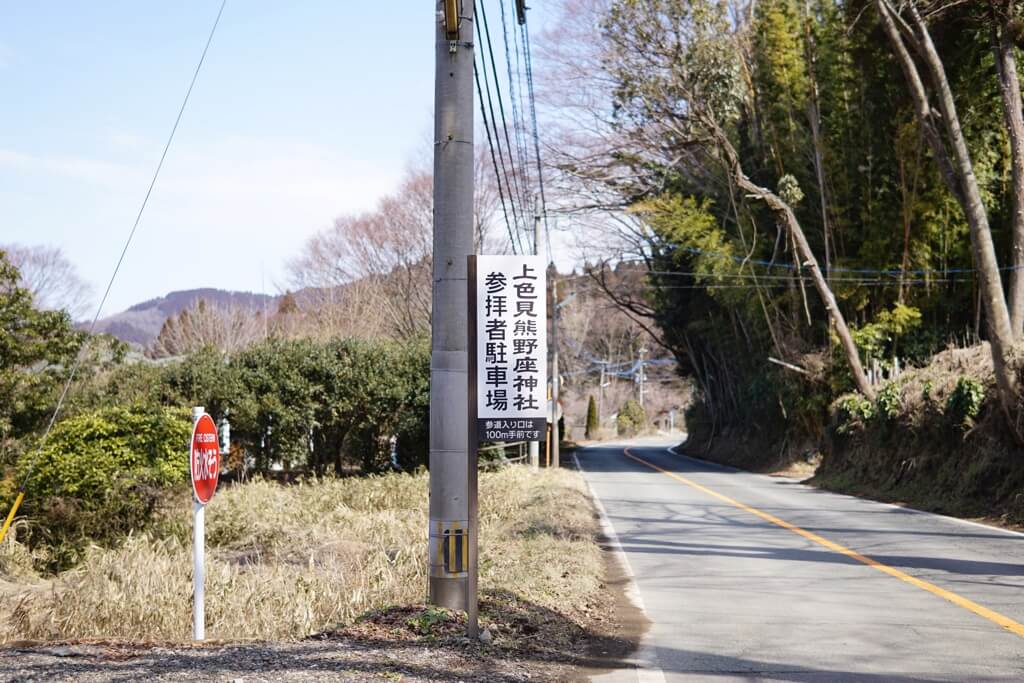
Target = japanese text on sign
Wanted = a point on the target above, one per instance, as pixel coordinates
(511, 348)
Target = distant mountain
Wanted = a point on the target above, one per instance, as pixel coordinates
(141, 323)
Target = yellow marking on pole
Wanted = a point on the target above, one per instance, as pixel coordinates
(10, 515)
(440, 543)
(452, 539)
(465, 551)
(958, 600)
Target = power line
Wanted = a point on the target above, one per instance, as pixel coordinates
(501, 108)
(518, 126)
(494, 161)
(99, 309)
(497, 138)
(536, 134)
(789, 266)
(763, 276)
(860, 283)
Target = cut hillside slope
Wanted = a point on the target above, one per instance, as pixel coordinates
(933, 440)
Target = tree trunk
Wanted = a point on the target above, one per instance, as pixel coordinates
(814, 118)
(1009, 85)
(808, 259)
(958, 171)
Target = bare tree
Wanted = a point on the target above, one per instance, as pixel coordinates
(202, 325)
(369, 274)
(377, 263)
(1003, 13)
(51, 277)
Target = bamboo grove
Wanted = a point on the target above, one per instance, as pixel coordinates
(814, 188)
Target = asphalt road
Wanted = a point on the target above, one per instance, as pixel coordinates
(749, 577)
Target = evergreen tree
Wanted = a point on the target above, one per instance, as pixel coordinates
(593, 421)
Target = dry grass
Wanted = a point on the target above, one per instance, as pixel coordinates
(929, 387)
(287, 561)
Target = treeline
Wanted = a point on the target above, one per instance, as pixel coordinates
(831, 184)
(119, 447)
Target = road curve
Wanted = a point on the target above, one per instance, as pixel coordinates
(753, 578)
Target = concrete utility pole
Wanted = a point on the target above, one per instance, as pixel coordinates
(534, 446)
(555, 436)
(641, 353)
(450, 477)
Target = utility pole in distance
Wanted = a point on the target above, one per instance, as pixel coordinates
(534, 446)
(555, 436)
(450, 478)
(641, 378)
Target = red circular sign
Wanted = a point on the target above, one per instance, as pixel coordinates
(204, 458)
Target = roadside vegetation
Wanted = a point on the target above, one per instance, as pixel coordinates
(933, 439)
(801, 201)
(319, 524)
(287, 561)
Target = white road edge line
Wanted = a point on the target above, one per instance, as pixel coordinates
(958, 520)
(646, 659)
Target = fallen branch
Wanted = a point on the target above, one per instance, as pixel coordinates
(789, 366)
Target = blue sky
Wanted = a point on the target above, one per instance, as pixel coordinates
(303, 111)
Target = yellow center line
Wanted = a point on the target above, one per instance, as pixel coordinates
(958, 600)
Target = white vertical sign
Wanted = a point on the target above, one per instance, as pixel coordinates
(511, 348)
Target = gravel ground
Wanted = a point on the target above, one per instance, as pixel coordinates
(321, 660)
(388, 645)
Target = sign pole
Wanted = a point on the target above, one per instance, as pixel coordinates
(198, 554)
(472, 606)
(198, 560)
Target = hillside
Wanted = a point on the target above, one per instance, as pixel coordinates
(140, 324)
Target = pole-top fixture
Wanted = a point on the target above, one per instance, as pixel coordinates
(521, 11)
(451, 19)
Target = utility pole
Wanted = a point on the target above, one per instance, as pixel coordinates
(641, 353)
(600, 398)
(534, 446)
(555, 436)
(452, 471)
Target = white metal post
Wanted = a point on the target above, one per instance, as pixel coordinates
(555, 436)
(198, 561)
(198, 554)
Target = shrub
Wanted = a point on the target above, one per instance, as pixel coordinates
(854, 411)
(632, 419)
(101, 475)
(593, 422)
(890, 400)
(964, 403)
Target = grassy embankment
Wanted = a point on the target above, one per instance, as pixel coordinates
(284, 562)
(934, 439)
